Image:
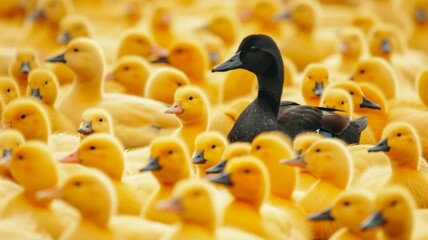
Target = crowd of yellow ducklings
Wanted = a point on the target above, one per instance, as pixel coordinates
(122, 136)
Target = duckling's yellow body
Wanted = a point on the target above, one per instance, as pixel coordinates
(192, 109)
(225, 116)
(21, 65)
(169, 163)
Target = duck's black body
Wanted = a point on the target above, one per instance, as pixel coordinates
(260, 55)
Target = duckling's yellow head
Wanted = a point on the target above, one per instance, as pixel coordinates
(359, 101)
(33, 167)
(95, 120)
(191, 105)
(352, 42)
(209, 147)
(394, 210)
(100, 151)
(224, 26)
(193, 201)
(315, 80)
(84, 57)
(329, 160)
(189, 57)
(379, 73)
(169, 160)
(74, 26)
(28, 117)
(246, 178)
(304, 140)
(348, 209)
(132, 72)
(53, 10)
(9, 140)
(163, 83)
(383, 41)
(23, 63)
(271, 147)
(80, 188)
(135, 42)
(401, 143)
(161, 17)
(364, 21)
(43, 85)
(304, 14)
(338, 99)
(8, 89)
(419, 12)
(233, 150)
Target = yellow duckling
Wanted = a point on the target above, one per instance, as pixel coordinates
(352, 48)
(129, 112)
(41, 32)
(270, 148)
(74, 26)
(169, 163)
(420, 31)
(43, 85)
(190, 57)
(316, 79)
(162, 84)
(195, 204)
(349, 209)
(233, 150)
(191, 108)
(364, 21)
(306, 46)
(379, 73)
(209, 147)
(161, 25)
(421, 85)
(225, 26)
(338, 99)
(246, 178)
(8, 89)
(103, 146)
(32, 166)
(331, 162)
(225, 116)
(394, 213)
(132, 73)
(25, 61)
(136, 42)
(98, 219)
(10, 140)
(402, 145)
(95, 120)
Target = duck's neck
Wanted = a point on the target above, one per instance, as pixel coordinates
(270, 86)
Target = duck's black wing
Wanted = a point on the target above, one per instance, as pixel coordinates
(294, 119)
(352, 133)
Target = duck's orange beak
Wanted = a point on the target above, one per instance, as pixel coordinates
(175, 109)
(72, 158)
(48, 194)
(171, 205)
(6, 126)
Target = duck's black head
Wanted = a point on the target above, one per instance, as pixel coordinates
(258, 54)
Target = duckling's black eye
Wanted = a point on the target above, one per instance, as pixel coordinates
(170, 152)
(92, 147)
(213, 147)
(246, 171)
(253, 48)
(362, 71)
(179, 51)
(23, 116)
(309, 76)
(258, 147)
(8, 90)
(190, 98)
(100, 120)
(346, 203)
(75, 50)
(352, 93)
(77, 183)
(317, 150)
(46, 82)
(342, 103)
(20, 157)
(398, 134)
(196, 193)
(179, 84)
(393, 203)
(126, 68)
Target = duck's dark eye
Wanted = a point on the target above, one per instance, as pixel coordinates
(258, 147)
(342, 103)
(77, 183)
(75, 50)
(46, 82)
(253, 48)
(170, 152)
(362, 71)
(190, 98)
(213, 147)
(317, 150)
(23, 116)
(92, 147)
(20, 157)
(352, 93)
(398, 134)
(246, 171)
(346, 203)
(179, 84)
(100, 120)
(126, 68)
(8, 90)
(393, 203)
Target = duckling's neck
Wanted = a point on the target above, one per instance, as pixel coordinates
(270, 87)
(370, 234)
(283, 180)
(98, 217)
(88, 89)
(208, 226)
(403, 232)
(412, 160)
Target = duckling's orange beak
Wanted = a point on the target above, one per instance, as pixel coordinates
(175, 109)
(72, 158)
(6, 126)
(222, 178)
(5, 164)
(299, 161)
(110, 76)
(218, 168)
(64, 38)
(48, 194)
(324, 215)
(171, 205)
(376, 219)
(38, 14)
